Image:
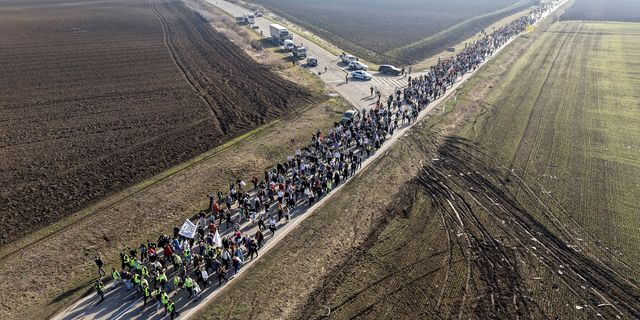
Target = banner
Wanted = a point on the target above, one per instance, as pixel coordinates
(216, 239)
(188, 229)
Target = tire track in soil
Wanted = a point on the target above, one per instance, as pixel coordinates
(186, 74)
(530, 118)
(580, 268)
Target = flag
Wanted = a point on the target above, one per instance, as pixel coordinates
(188, 229)
(216, 239)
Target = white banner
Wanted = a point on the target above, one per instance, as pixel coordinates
(216, 239)
(188, 229)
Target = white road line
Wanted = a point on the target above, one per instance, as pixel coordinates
(133, 304)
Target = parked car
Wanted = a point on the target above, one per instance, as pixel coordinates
(357, 65)
(312, 62)
(361, 74)
(389, 69)
(346, 58)
(258, 14)
(348, 116)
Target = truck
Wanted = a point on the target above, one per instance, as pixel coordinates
(289, 45)
(278, 33)
(300, 52)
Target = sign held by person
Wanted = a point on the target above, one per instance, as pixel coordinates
(188, 229)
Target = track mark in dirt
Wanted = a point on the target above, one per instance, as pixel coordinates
(201, 93)
(580, 270)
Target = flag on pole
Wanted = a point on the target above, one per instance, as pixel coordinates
(188, 229)
(216, 239)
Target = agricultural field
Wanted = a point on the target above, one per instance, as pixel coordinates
(535, 198)
(604, 10)
(96, 96)
(518, 201)
(398, 31)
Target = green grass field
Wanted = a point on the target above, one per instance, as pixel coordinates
(567, 114)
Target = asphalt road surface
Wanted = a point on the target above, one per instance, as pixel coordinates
(122, 304)
(356, 91)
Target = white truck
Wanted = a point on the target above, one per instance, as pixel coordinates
(278, 33)
(289, 45)
(300, 52)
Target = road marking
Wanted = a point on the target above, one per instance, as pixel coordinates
(116, 317)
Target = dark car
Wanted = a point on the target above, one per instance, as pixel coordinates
(389, 69)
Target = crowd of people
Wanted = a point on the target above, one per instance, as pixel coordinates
(249, 214)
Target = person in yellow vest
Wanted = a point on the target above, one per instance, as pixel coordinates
(164, 298)
(157, 293)
(188, 284)
(144, 271)
(146, 292)
(176, 282)
(171, 309)
(136, 281)
(124, 260)
(162, 278)
(100, 289)
(115, 275)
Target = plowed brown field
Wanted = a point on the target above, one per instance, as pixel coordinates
(95, 96)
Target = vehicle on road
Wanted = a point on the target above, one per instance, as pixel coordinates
(389, 69)
(278, 33)
(348, 116)
(289, 45)
(357, 65)
(249, 18)
(258, 14)
(312, 62)
(361, 74)
(300, 52)
(346, 58)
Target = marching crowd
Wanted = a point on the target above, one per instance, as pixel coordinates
(158, 271)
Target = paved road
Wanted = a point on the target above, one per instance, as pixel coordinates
(121, 304)
(356, 91)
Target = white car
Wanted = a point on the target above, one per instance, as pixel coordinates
(357, 65)
(362, 75)
(346, 58)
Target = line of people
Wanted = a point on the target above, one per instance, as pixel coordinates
(288, 189)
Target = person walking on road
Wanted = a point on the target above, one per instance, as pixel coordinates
(171, 309)
(115, 275)
(346, 78)
(146, 292)
(100, 265)
(272, 226)
(100, 289)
